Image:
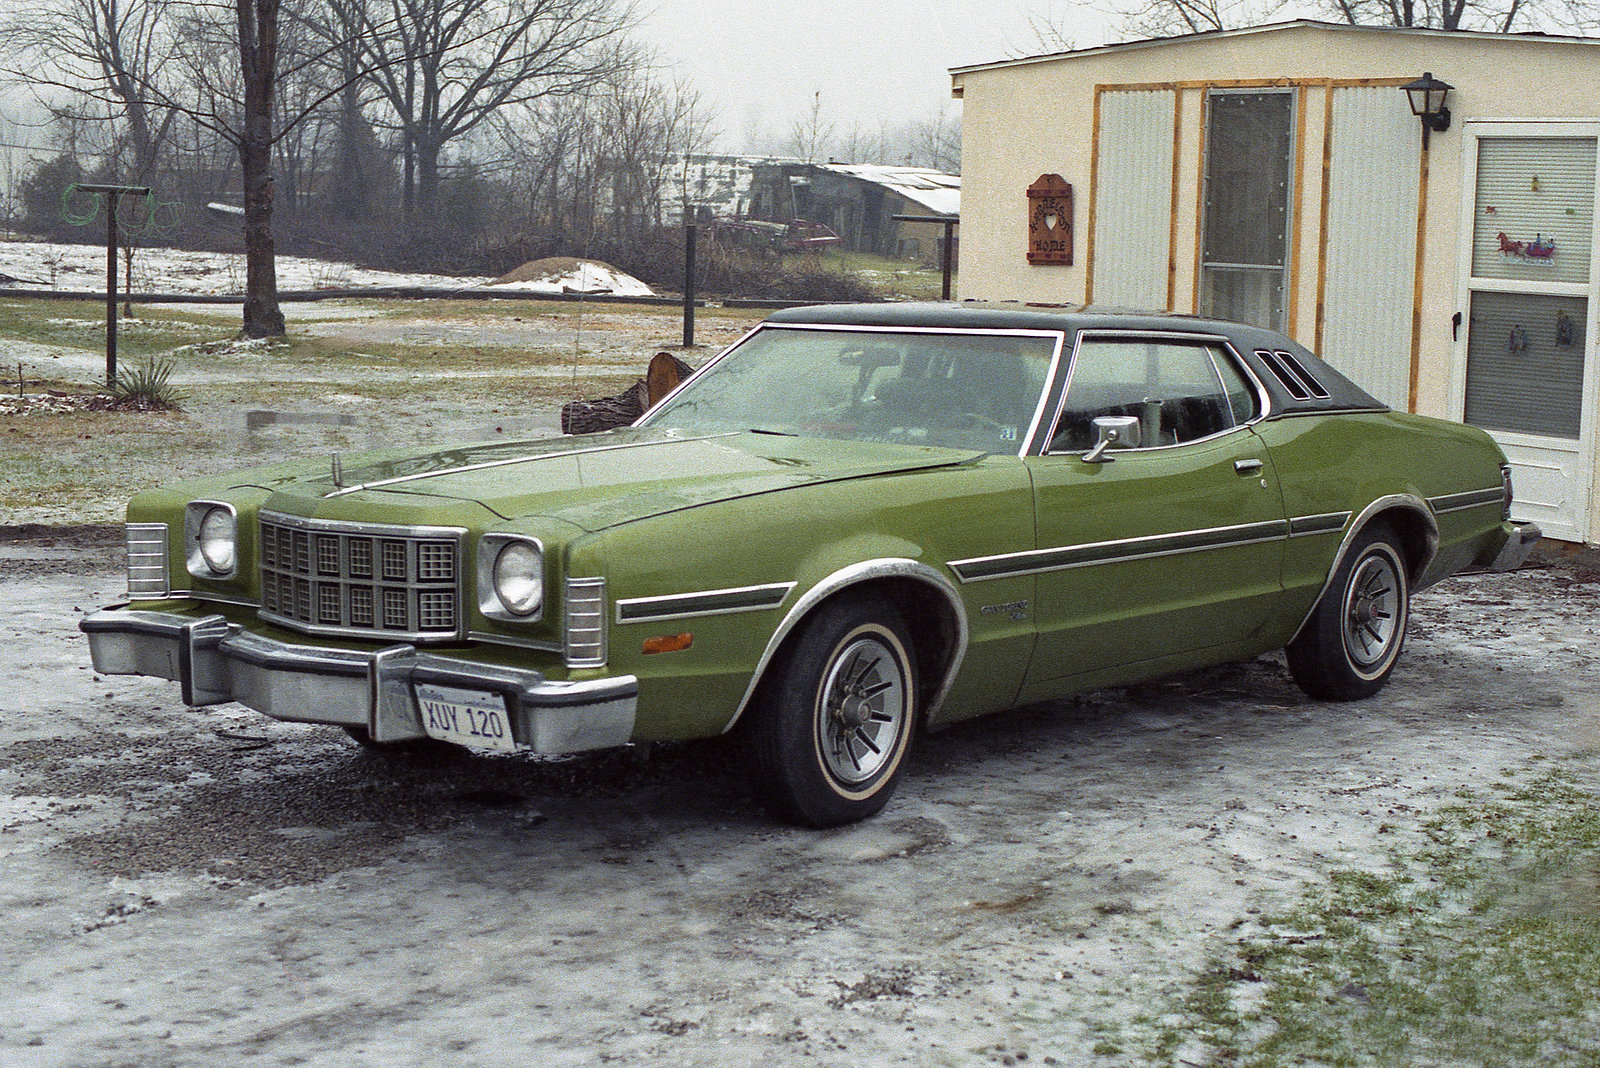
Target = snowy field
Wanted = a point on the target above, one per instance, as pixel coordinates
(165, 270)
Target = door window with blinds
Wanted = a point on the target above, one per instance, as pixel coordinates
(1535, 201)
(1525, 363)
(1531, 250)
(1248, 171)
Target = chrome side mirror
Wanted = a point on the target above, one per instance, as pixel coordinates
(1119, 431)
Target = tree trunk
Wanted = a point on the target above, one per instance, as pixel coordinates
(427, 180)
(258, 53)
(352, 192)
(262, 316)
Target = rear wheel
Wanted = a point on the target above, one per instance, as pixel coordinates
(1350, 644)
(831, 725)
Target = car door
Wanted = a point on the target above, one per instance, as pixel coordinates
(1147, 553)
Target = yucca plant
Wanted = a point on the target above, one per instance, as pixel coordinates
(148, 386)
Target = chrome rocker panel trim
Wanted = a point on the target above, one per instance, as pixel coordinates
(215, 661)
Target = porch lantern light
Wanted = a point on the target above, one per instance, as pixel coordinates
(1427, 95)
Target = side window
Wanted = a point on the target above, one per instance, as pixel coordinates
(1179, 391)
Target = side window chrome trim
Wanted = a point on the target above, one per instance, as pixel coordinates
(1263, 397)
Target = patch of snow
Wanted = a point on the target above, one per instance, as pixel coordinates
(165, 270)
(568, 274)
(187, 271)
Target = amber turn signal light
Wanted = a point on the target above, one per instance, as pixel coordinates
(668, 643)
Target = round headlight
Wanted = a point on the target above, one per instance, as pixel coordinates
(519, 578)
(218, 541)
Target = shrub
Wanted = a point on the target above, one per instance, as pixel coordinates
(147, 387)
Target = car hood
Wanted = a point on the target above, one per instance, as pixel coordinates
(597, 481)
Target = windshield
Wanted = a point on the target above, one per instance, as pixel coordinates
(967, 391)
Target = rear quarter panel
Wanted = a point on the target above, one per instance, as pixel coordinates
(1338, 463)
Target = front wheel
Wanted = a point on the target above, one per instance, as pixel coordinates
(1350, 644)
(832, 723)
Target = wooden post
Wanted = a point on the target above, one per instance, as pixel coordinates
(688, 285)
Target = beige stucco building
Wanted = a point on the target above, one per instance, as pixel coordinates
(1277, 175)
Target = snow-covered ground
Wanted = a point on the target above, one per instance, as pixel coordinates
(166, 270)
(193, 887)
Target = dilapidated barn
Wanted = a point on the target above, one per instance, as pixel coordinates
(859, 202)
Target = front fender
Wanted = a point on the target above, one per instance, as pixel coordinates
(845, 579)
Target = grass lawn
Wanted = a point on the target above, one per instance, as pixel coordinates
(1479, 945)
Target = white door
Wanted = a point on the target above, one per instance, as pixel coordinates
(1524, 360)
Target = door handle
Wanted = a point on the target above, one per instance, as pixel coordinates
(1247, 467)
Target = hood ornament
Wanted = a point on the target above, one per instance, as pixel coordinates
(338, 473)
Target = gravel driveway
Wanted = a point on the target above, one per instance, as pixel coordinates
(189, 887)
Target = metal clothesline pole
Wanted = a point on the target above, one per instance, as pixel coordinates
(112, 192)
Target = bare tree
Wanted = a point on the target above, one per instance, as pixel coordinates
(1164, 18)
(1048, 33)
(113, 53)
(444, 67)
(863, 145)
(935, 142)
(1499, 16)
(236, 68)
(600, 166)
(811, 135)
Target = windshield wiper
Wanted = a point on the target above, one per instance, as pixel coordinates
(774, 433)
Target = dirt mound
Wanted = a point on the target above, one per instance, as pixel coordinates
(549, 269)
(573, 274)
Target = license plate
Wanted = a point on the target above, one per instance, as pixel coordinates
(466, 717)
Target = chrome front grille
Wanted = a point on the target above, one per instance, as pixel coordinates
(361, 579)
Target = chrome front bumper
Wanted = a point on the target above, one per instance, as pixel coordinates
(215, 661)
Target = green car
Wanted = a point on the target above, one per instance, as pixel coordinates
(856, 523)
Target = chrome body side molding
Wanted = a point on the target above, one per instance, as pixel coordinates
(1089, 554)
(1456, 502)
(703, 603)
(1304, 526)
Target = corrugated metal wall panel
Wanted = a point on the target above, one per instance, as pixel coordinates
(1372, 240)
(1133, 198)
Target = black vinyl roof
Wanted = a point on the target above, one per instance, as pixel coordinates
(1288, 392)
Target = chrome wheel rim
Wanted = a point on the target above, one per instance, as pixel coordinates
(1374, 612)
(861, 710)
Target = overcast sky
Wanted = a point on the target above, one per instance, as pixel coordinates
(758, 62)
